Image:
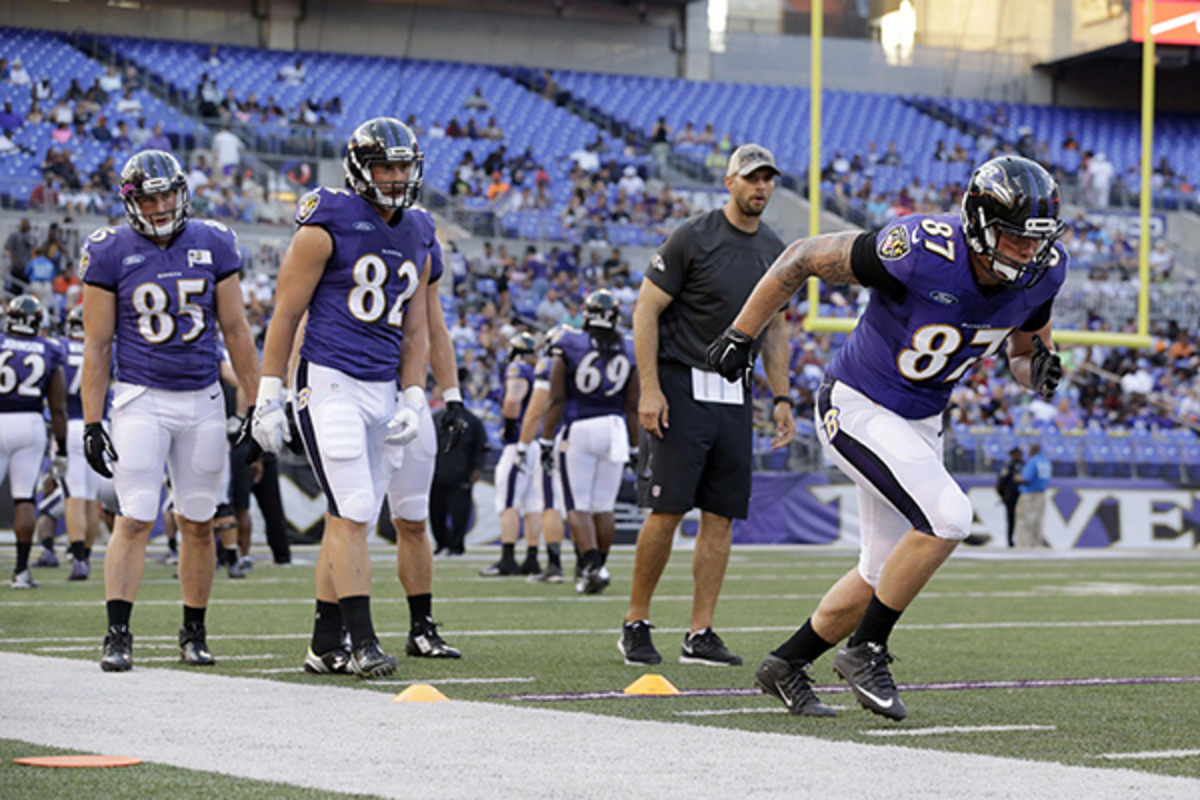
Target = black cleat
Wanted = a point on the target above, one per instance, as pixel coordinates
(791, 684)
(368, 660)
(118, 650)
(635, 644)
(592, 580)
(500, 568)
(865, 668)
(705, 647)
(193, 649)
(333, 662)
(531, 567)
(424, 641)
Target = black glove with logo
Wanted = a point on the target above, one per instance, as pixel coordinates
(454, 424)
(1045, 369)
(547, 446)
(732, 355)
(254, 451)
(98, 448)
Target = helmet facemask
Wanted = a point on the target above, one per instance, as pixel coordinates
(389, 141)
(1010, 271)
(150, 173)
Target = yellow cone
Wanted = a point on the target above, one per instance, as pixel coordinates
(651, 684)
(419, 693)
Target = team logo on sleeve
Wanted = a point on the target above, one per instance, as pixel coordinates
(895, 244)
(308, 204)
(658, 263)
(85, 258)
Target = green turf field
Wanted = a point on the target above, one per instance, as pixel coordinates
(1114, 641)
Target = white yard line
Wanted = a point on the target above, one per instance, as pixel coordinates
(940, 730)
(335, 738)
(1150, 754)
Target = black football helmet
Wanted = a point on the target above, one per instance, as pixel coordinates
(601, 310)
(75, 323)
(24, 316)
(387, 140)
(522, 345)
(148, 173)
(1016, 196)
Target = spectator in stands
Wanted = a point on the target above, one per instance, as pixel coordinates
(18, 75)
(35, 116)
(631, 183)
(615, 266)
(133, 78)
(454, 130)
(129, 104)
(40, 272)
(437, 130)
(333, 106)
(1026, 146)
(213, 59)
(207, 96)
(892, 157)
(62, 113)
(476, 101)
(61, 133)
(940, 153)
(687, 135)
(226, 150)
(1031, 505)
(19, 249)
(707, 136)
(1098, 181)
(45, 196)
(9, 120)
(716, 162)
(110, 81)
(158, 140)
(497, 188)
(492, 130)
(43, 90)
(293, 74)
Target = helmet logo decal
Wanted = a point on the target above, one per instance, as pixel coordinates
(993, 180)
(896, 244)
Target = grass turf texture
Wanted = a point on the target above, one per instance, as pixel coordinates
(980, 619)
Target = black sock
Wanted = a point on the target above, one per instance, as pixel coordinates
(420, 608)
(173, 545)
(229, 556)
(876, 625)
(531, 554)
(119, 612)
(23, 549)
(508, 554)
(602, 558)
(48, 543)
(193, 616)
(554, 555)
(327, 627)
(356, 611)
(77, 551)
(87, 553)
(805, 645)
(589, 559)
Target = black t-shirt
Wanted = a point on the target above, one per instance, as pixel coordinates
(709, 267)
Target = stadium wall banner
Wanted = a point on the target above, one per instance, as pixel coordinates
(1081, 513)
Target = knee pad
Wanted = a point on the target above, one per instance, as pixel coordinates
(953, 516)
(358, 505)
(197, 506)
(413, 508)
(141, 505)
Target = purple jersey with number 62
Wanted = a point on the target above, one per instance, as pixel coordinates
(595, 376)
(27, 364)
(166, 307)
(356, 313)
(907, 354)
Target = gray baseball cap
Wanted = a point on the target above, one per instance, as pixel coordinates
(750, 157)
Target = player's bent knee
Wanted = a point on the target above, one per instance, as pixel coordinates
(140, 505)
(953, 517)
(358, 506)
(412, 509)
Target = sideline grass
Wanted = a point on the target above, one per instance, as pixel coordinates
(980, 619)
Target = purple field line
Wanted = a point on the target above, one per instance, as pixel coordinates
(944, 686)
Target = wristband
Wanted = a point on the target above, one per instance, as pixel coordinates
(452, 395)
(269, 388)
(783, 398)
(545, 442)
(61, 444)
(414, 396)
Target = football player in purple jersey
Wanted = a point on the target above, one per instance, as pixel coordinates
(518, 494)
(31, 377)
(155, 291)
(595, 371)
(358, 267)
(947, 291)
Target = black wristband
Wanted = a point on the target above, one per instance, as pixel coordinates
(783, 398)
(61, 445)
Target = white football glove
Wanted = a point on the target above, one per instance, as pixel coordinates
(270, 426)
(404, 426)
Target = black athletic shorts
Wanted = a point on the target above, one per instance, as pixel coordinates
(703, 460)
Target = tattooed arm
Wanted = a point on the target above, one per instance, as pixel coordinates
(826, 257)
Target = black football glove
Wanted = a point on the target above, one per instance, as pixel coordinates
(1045, 369)
(254, 451)
(732, 355)
(295, 444)
(98, 448)
(522, 455)
(547, 446)
(454, 424)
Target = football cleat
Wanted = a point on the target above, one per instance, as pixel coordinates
(500, 568)
(46, 559)
(865, 668)
(118, 650)
(333, 662)
(80, 570)
(551, 574)
(635, 644)
(24, 580)
(368, 660)
(424, 641)
(791, 684)
(193, 647)
(705, 647)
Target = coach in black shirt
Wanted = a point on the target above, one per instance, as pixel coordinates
(696, 446)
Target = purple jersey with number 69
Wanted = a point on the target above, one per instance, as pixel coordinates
(595, 376)
(906, 354)
(356, 313)
(166, 301)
